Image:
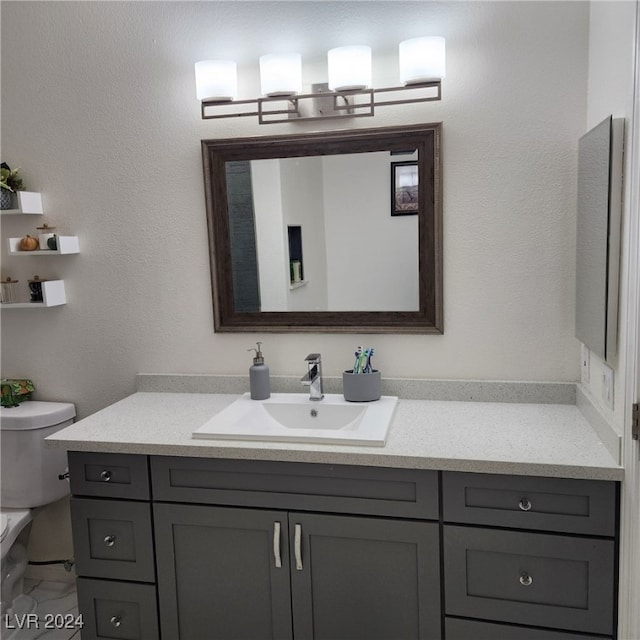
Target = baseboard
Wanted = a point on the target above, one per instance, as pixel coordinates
(50, 572)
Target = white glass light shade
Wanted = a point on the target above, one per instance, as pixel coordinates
(422, 59)
(216, 80)
(281, 74)
(349, 68)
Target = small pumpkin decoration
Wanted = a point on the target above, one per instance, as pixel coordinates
(28, 243)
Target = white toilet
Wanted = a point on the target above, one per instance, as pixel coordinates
(29, 480)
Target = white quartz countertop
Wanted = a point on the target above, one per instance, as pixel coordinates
(483, 437)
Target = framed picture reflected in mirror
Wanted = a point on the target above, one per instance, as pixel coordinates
(404, 188)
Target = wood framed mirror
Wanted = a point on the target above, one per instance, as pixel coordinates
(301, 237)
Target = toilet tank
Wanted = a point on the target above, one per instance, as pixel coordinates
(30, 470)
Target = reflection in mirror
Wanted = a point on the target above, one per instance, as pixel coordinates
(313, 217)
(303, 236)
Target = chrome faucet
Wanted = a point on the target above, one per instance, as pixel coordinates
(313, 377)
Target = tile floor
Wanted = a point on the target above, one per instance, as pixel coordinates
(57, 609)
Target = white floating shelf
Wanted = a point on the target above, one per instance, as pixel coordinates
(29, 202)
(66, 245)
(53, 295)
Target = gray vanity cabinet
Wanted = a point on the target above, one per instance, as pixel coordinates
(179, 548)
(531, 552)
(113, 544)
(231, 574)
(254, 573)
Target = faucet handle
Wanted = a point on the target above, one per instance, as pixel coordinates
(313, 358)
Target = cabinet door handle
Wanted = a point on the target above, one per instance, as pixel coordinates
(116, 621)
(109, 540)
(276, 545)
(105, 476)
(297, 546)
(525, 579)
(524, 504)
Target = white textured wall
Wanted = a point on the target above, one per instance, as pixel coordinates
(99, 109)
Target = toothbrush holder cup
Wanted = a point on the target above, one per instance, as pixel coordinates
(361, 387)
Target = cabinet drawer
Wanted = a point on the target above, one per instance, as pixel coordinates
(117, 610)
(109, 475)
(533, 579)
(459, 629)
(300, 486)
(113, 539)
(523, 502)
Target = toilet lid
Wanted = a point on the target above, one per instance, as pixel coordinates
(4, 526)
(35, 414)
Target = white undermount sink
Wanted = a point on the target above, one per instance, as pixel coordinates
(292, 417)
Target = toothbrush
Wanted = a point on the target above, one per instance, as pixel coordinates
(368, 368)
(362, 360)
(365, 360)
(356, 364)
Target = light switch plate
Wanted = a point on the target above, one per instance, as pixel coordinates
(585, 366)
(607, 386)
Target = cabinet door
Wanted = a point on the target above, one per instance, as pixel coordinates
(521, 502)
(114, 610)
(266, 484)
(356, 578)
(113, 539)
(109, 475)
(223, 573)
(536, 579)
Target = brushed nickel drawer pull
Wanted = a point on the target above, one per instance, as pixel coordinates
(109, 540)
(105, 476)
(276, 545)
(297, 545)
(525, 579)
(524, 504)
(116, 621)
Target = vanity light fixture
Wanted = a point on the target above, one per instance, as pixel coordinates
(349, 68)
(281, 74)
(216, 80)
(422, 60)
(348, 93)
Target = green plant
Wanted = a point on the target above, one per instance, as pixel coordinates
(9, 178)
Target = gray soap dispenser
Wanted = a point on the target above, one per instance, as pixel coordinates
(259, 376)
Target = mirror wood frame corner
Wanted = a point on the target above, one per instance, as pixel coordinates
(428, 318)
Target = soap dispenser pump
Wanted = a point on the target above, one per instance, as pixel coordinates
(259, 383)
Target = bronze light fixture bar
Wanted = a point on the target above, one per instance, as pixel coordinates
(322, 103)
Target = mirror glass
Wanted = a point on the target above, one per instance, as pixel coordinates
(598, 236)
(337, 231)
